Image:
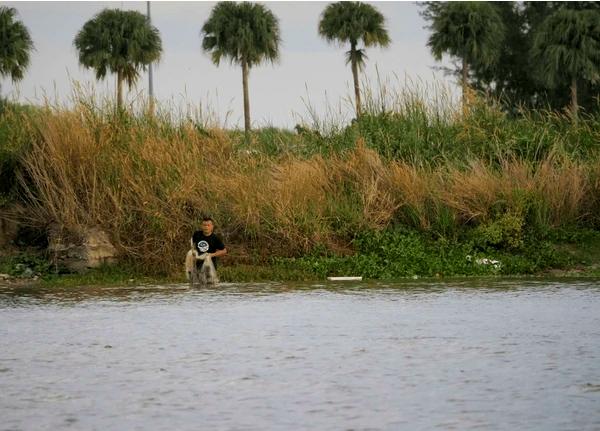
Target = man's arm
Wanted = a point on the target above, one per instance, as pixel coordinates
(219, 253)
(221, 250)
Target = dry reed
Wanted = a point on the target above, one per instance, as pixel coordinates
(148, 184)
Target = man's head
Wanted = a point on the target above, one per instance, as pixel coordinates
(207, 226)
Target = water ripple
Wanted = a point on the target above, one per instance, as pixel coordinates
(465, 355)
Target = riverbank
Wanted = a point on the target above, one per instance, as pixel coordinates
(241, 274)
(403, 257)
(410, 190)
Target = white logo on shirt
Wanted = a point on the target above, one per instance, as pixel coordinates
(203, 246)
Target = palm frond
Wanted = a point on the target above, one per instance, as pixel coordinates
(118, 41)
(15, 45)
(358, 55)
(241, 32)
(567, 45)
(353, 22)
(472, 31)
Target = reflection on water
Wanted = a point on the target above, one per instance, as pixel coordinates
(11, 296)
(502, 354)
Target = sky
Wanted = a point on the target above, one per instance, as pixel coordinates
(311, 75)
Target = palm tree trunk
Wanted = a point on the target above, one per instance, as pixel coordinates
(574, 104)
(246, 100)
(464, 83)
(355, 76)
(119, 90)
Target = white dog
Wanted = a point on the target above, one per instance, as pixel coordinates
(206, 275)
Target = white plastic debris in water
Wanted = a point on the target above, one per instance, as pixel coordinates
(344, 278)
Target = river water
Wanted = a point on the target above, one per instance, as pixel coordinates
(485, 355)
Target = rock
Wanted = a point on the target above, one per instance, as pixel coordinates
(99, 249)
(5, 277)
(94, 250)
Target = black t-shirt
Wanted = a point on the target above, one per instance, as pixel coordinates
(207, 244)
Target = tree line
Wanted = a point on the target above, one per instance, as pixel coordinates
(531, 54)
(541, 55)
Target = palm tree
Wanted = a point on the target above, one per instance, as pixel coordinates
(567, 48)
(122, 42)
(247, 34)
(470, 31)
(15, 45)
(353, 22)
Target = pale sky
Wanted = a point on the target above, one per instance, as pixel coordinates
(310, 69)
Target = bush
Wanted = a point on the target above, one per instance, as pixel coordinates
(505, 233)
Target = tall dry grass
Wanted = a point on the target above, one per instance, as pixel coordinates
(149, 181)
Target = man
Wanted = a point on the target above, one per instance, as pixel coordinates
(205, 241)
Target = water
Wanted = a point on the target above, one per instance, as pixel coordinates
(501, 355)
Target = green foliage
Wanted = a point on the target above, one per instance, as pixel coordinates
(407, 136)
(117, 41)
(537, 256)
(348, 22)
(581, 243)
(15, 45)
(243, 32)
(400, 252)
(506, 232)
(567, 46)
(471, 31)
(415, 136)
(393, 254)
(509, 80)
(273, 141)
(25, 265)
(353, 23)
(516, 79)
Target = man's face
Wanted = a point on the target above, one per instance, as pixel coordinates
(207, 227)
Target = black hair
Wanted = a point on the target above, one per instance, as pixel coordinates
(208, 218)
